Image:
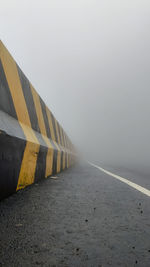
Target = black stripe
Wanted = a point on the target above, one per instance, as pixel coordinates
(67, 141)
(64, 145)
(55, 160)
(61, 153)
(66, 148)
(41, 160)
(63, 137)
(61, 163)
(59, 131)
(45, 118)
(41, 163)
(29, 100)
(58, 138)
(54, 127)
(66, 160)
(11, 155)
(6, 102)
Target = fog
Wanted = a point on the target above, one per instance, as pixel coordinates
(90, 61)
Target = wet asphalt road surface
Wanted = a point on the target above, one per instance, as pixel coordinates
(82, 218)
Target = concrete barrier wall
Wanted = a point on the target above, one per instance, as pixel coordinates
(33, 145)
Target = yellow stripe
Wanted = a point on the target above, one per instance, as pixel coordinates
(14, 84)
(49, 157)
(28, 166)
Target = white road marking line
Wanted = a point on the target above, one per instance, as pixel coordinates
(124, 180)
(53, 177)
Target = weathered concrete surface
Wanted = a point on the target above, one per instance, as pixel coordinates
(83, 218)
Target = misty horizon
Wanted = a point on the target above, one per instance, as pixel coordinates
(89, 61)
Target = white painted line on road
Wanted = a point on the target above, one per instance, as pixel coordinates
(124, 180)
(53, 177)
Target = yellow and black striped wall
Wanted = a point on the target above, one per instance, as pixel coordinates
(33, 145)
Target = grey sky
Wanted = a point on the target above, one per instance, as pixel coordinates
(90, 62)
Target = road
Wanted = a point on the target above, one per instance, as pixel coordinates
(82, 217)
